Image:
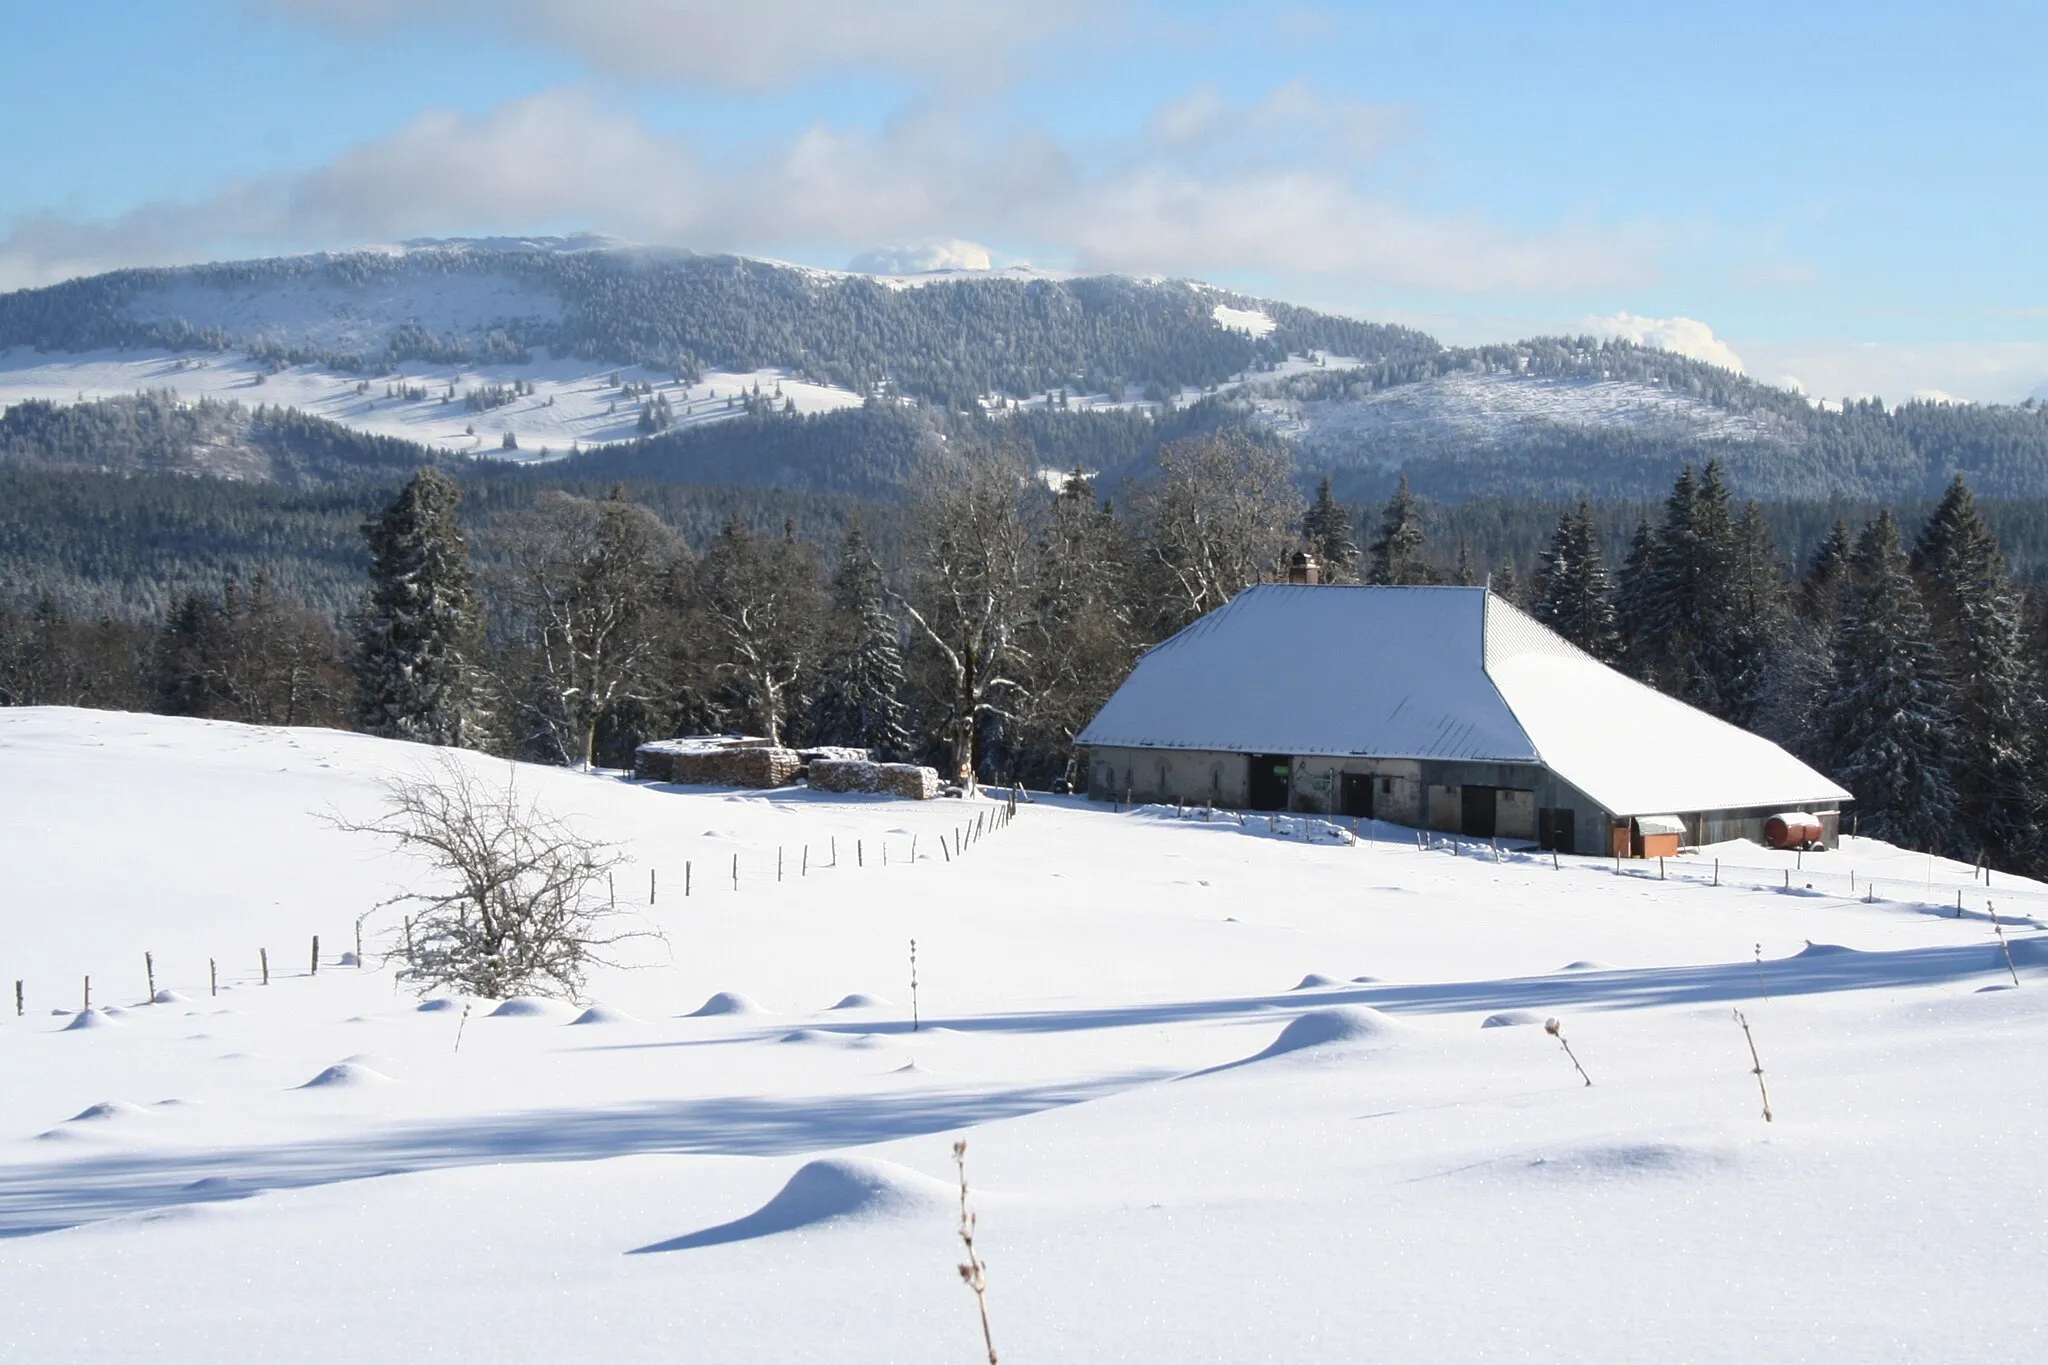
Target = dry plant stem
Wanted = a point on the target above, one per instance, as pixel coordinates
(461, 1024)
(1756, 1065)
(1760, 989)
(973, 1273)
(1556, 1030)
(1999, 929)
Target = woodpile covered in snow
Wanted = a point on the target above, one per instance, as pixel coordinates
(717, 761)
(859, 775)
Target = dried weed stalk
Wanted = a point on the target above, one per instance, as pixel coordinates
(973, 1273)
(1556, 1030)
(1756, 1066)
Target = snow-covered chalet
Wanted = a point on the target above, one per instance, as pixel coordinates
(1437, 707)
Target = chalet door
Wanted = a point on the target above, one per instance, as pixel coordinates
(1268, 781)
(1357, 794)
(1479, 803)
(1556, 828)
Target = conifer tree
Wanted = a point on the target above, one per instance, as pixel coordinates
(1820, 590)
(1506, 584)
(1327, 529)
(1998, 705)
(1573, 595)
(419, 627)
(1396, 557)
(1750, 616)
(1889, 717)
(1632, 601)
(1683, 621)
(1463, 572)
(860, 688)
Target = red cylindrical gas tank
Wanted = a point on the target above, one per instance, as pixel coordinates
(1792, 829)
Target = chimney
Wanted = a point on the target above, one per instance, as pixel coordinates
(1305, 569)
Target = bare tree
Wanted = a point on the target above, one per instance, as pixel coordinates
(1083, 634)
(764, 603)
(971, 596)
(585, 587)
(517, 903)
(1217, 517)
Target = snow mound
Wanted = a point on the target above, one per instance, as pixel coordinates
(1339, 1029)
(1813, 949)
(432, 1006)
(1587, 964)
(1511, 1019)
(604, 1014)
(167, 996)
(92, 1018)
(727, 1002)
(857, 1001)
(1316, 981)
(106, 1111)
(347, 1075)
(526, 1007)
(1366, 980)
(348, 960)
(830, 1191)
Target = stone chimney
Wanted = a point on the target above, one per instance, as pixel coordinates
(1305, 569)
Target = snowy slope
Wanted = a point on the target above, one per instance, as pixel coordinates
(573, 401)
(1463, 414)
(1178, 1155)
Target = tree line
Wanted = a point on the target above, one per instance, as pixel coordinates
(980, 625)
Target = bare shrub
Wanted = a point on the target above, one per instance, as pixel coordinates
(517, 904)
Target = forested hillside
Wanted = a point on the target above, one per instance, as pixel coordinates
(1555, 417)
(949, 342)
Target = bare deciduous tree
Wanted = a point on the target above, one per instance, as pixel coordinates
(517, 903)
(764, 602)
(971, 596)
(584, 586)
(1218, 517)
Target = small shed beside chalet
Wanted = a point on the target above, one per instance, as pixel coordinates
(1438, 707)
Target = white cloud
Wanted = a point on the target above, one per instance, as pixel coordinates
(1942, 371)
(562, 159)
(757, 46)
(1682, 336)
(950, 254)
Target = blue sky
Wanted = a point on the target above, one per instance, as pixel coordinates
(1846, 195)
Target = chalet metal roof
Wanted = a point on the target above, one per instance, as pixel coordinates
(1438, 673)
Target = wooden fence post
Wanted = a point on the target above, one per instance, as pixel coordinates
(686, 880)
(212, 978)
(735, 871)
(316, 956)
(650, 886)
(88, 992)
(149, 970)
(264, 954)
(18, 1007)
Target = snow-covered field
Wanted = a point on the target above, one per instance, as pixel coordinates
(1178, 1153)
(573, 401)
